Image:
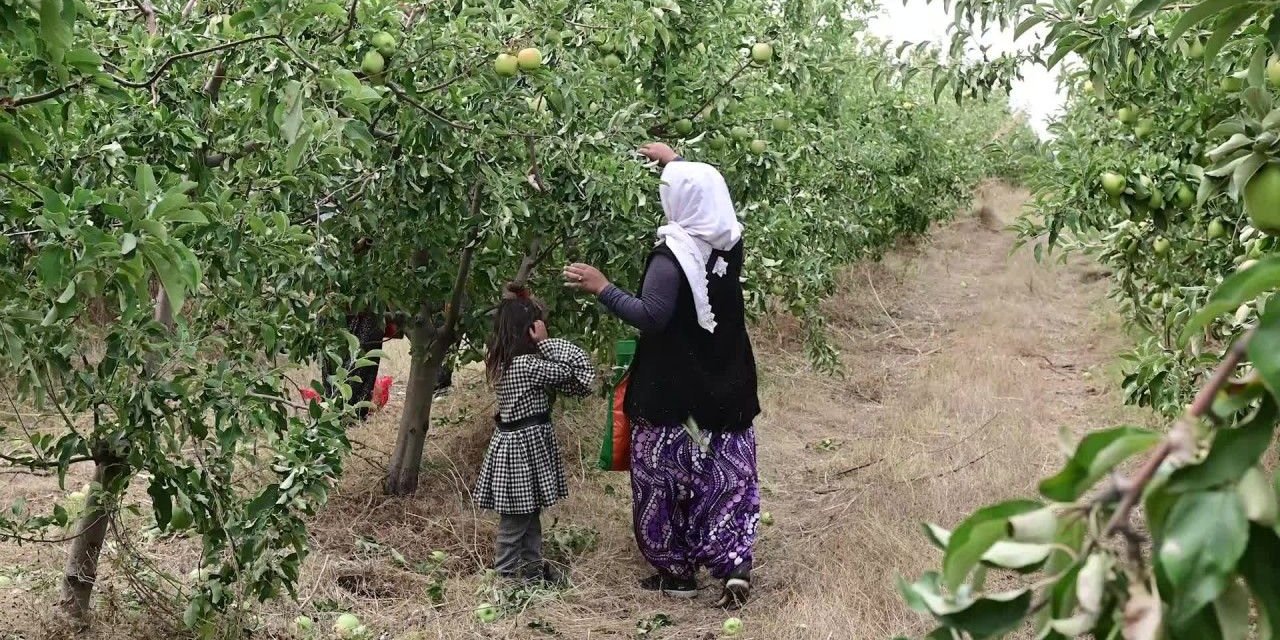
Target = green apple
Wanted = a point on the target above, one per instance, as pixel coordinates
(486, 612)
(766, 519)
(758, 146)
(761, 52)
(373, 64)
(384, 42)
(505, 65)
(1113, 183)
(529, 59)
(732, 626)
(346, 626)
(303, 624)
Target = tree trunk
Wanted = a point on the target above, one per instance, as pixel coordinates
(424, 370)
(91, 532)
(425, 362)
(81, 571)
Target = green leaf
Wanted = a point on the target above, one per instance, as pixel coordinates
(1245, 170)
(1198, 554)
(1234, 452)
(1237, 289)
(169, 273)
(13, 142)
(190, 216)
(293, 102)
(1097, 454)
(145, 180)
(1226, 28)
(1232, 609)
(55, 33)
(69, 293)
(992, 616)
(331, 9)
(161, 502)
(1145, 8)
(84, 60)
(987, 617)
(294, 156)
(1018, 556)
(1257, 566)
(1199, 13)
(975, 536)
(1264, 348)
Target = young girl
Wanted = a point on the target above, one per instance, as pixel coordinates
(522, 472)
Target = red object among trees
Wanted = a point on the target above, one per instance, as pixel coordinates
(309, 395)
(381, 391)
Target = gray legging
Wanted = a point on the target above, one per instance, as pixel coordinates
(518, 548)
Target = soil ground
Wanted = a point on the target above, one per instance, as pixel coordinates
(961, 364)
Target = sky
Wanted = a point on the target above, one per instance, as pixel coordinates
(1036, 94)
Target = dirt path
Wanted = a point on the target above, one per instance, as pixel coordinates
(961, 363)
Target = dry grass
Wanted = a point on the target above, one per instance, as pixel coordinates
(960, 361)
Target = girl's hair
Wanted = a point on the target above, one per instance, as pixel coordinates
(511, 324)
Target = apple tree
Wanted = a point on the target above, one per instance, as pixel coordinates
(1162, 168)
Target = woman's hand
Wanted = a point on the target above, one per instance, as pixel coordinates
(659, 151)
(539, 331)
(584, 277)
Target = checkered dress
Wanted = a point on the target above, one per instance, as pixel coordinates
(522, 471)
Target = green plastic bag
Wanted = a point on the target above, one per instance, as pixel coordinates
(615, 450)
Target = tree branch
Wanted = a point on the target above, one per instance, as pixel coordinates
(188, 8)
(1136, 486)
(453, 311)
(168, 62)
(278, 400)
(213, 86)
(149, 13)
(42, 463)
(351, 21)
(396, 89)
(15, 182)
(529, 261)
(10, 103)
(724, 85)
(535, 176)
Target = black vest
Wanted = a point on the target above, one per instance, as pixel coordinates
(684, 370)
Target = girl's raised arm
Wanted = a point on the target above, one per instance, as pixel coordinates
(563, 366)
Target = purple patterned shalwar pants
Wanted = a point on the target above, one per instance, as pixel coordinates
(694, 505)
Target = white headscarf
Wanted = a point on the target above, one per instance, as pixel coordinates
(700, 219)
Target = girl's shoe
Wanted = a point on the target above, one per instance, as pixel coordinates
(735, 594)
(670, 586)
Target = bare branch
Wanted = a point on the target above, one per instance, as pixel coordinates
(277, 399)
(188, 8)
(529, 261)
(535, 176)
(213, 86)
(149, 13)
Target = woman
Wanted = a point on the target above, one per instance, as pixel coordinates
(691, 397)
